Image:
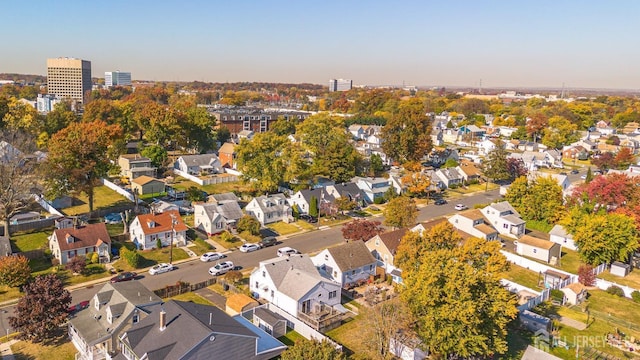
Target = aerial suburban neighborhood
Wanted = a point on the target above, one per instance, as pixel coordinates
(226, 218)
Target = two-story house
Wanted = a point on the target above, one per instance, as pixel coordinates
(145, 230)
(214, 218)
(227, 155)
(293, 284)
(135, 165)
(302, 199)
(373, 187)
(269, 209)
(349, 190)
(186, 330)
(504, 218)
(114, 308)
(82, 240)
(473, 223)
(347, 264)
(383, 247)
(199, 164)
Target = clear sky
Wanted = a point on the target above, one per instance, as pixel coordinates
(581, 43)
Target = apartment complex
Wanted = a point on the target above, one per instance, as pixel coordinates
(253, 119)
(69, 78)
(117, 78)
(340, 85)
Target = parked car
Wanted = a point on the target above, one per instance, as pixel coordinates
(249, 247)
(461, 207)
(268, 241)
(440, 201)
(211, 256)
(286, 251)
(575, 171)
(161, 268)
(308, 218)
(125, 276)
(221, 268)
(583, 177)
(77, 307)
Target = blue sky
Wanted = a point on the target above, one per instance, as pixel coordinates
(452, 43)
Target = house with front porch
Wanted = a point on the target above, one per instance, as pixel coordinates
(95, 330)
(504, 218)
(269, 209)
(383, 247)
(67, 243)
(214, 218)
(372, 187)
(145, 230)
(302, 199)
(348, 264)
(199, 164)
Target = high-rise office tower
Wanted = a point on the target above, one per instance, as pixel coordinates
(113, 78)
(69, 78)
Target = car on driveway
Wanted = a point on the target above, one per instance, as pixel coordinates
(124, 276)
(460, 207)
(211, 256)
(440, 201)
(575, 171)
(268, 241)
(77, 307)
(221, 268)
(249, 247)
(161, 268)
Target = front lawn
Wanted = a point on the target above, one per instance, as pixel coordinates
(151, 257)
(103, 198)
(305, 225)
(283, 228)
(31, 241)
(234, 242)
(9, 293)
(63, 349)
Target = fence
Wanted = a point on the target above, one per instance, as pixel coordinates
(209, 180)
(182, 287)
(538, 267)
(33, 254)
(531, 303)
(33, 225)
(599, 269)
(605, 284)
(119, 190)
(47, 206)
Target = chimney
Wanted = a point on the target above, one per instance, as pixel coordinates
(163, 320)
(210, 318)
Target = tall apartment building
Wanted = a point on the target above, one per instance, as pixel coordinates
(340, 85)
(113, 78)
(69, 78)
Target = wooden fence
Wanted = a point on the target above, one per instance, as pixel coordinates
(182, 287)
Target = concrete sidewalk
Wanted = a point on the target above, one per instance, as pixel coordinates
(5, 350)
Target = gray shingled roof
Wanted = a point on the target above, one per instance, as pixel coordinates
(294, 275)
(224, 197)
(504, 206)
(351, 255)
(199, 160)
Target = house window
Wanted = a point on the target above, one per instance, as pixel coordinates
(326, 256)
(377, 242)
(535, 251)
(333, 294)
(135, 318)
(264, 274)
(370, 267)
(272, 293)
(505, 226)
(257, 286)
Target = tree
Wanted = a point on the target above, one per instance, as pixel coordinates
(589, 176)
(21, 117)
(457, 302)
(362, 230)
(77, 264)
(560, 132)
(42, 310)
(544, 201)
(611, 192)
(79, 157)
(313, 207)
(400, 212)
(312, 350)
(586, 276)
(518, 192)
(260, 160)
(516, 168)
(450, 163)
(604, 161)
(194, 194)
(59, 118)
(494, 167)
(223, 135)
(376, 164)
(382, 323)
(604, 238)
(536, 125)
(156, 153)
(248, 223)
(344, 203)
(407, 134)
(283, 127)
(624, 158)
(14, 270)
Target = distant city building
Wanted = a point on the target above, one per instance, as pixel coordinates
(113, 78)
(46, 103)
(253, 119)
(340, 85)
(69, 78)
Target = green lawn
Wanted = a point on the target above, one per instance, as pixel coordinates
(631, 280)
(542, 226)
(200, 247)
(151, 257)
(115, 229)
(283, 228)
(348, 334)
(237, 186)
(9, 293)
(522, 276)
(30, 241)
(233, 243)
(192, 297)
(570, 261)
(290, 338)
(103, 198)
(62, 350)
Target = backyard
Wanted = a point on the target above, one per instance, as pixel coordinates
(181, 183)
(103, 198)
(631, 280)
(523, 276)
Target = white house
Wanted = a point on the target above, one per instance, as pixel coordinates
(199, 164)
(486, 146)
(449, 176)
(269, 209)
(145, 230)
(504, 218)
(85, 240)
(348, 264)
(302, 199)
(559, 235)
(372, 187)
(473, 223)
(293, 284)
(214, 218)
(540, 249)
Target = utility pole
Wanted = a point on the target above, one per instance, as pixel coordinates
(173, 234)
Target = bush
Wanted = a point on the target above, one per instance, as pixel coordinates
(636, 296)
(95, 258)
(226, 236)
(131, 257)
(14, 270)
(250, 237)
(557, 295)
(454, 186)
(615, 290)
(248, 224)
(378, 200)
(159, 243)
(76, 264)
(233, 276)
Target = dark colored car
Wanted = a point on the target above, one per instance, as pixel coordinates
(125, 276)
(574, 171)
(308, 218)
(77, 307)
(268, 241)
(440, 201)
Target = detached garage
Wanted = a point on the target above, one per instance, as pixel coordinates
(147, 185)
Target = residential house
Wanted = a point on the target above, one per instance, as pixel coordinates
(357, 131)
(245, 134)
(349, 190)
(114, 308)
(469, 171)
(486, 146)
(303, 198)
(398, 185)
(83, 240)
(143, 185)
(372, 187)
(269, 209)
(560, 179)
(159, 206)
(214, 218)
(631, 127)
(294, 284)
(554, 158)
(504, 218)
(559, 235)
(576, 152)
(439, 156)
(588, 144)
(506, 131)
(348, 264)
(540, 249)
(199, 164)
(222, 198)
(186, 330)
(473, 223)
(227, 155)
(574, 294)
(472, 132)
(448, 177)
(145, 230)
(383, 247)
(135, 165)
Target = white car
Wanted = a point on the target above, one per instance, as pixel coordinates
(160, 268)
(211, 256)
(286, 251)
(249, 247)
(583, 177)
(460, 207)
(221, 268)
